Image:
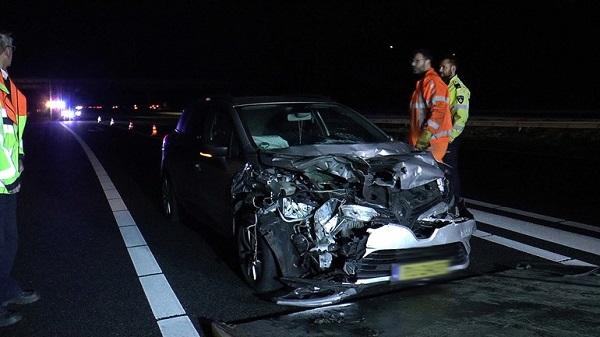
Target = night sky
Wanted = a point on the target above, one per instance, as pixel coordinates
(514, 55)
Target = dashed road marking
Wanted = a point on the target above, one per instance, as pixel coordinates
(143, 261)
(535, 215)
(531, 249)
(161, 297)
(561, 237)
(171, 318)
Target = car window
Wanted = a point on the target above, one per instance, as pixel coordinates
(221, 128)
(278, 126)
(196, 122)
(343, 124)
(184, 119)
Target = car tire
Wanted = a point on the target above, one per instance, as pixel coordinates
(170, 205)
(261, 274)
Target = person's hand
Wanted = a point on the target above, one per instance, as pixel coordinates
(423, 141)
(421, 146)
(15, 189)
(12, 188)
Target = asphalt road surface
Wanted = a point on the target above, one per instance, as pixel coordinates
(83, 222)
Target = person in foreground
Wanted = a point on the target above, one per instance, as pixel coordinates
(13, 109)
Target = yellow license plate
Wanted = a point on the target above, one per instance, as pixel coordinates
(414, 271)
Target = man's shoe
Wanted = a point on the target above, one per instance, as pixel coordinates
(8, 317)
(25, 297)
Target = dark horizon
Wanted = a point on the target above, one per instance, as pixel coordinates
(513, 56)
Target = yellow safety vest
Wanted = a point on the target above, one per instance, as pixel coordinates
(458, 96)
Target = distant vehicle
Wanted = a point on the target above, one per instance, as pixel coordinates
(69, 115)
(318, 198)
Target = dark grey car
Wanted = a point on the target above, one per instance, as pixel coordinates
(317, 197)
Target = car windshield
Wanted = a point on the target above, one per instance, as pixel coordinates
(278, 126)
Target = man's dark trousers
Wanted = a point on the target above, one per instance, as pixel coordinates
(451, 159)
(8, 245)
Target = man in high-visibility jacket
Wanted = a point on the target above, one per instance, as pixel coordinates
(459, 96)
(430, 119)
(13, 110)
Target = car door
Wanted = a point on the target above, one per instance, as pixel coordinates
(185, 170)
(218, 161)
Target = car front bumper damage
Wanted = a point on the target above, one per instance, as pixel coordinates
(339, 223)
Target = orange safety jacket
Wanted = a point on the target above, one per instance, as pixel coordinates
(13, 111)
(430, 117)
(16, 105)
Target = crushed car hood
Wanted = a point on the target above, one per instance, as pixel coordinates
(410, 169)
(365, 151)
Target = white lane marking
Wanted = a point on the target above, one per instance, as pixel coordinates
(132, 236)
(530, 214)
(161, 297)
(581, 225)
(481, 234)
(163, 301)
(578, 263)
(108, 186)
(177, 327)
(104, 179)
(535, 215)
(143, 261)
(564, 238)
(112, 194)
(124, 218)
(101, 173)
(117, 204)
(530, 249)
(481, 203)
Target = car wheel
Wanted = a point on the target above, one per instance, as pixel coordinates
(257, 261)
(170, 206)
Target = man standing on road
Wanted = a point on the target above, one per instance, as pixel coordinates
(430, 119)
(13, 108)
(459, 96)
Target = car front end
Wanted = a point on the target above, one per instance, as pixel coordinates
(340, 218)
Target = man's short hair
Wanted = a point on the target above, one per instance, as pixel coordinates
(5, 41)
(451, 57)
(426, 54)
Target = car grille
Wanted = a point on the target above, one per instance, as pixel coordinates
(379, 263)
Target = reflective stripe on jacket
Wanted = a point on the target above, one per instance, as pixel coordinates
(459, 96)
(13, 111)
(429, 111)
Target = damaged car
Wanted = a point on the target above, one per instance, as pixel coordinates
(315, 197)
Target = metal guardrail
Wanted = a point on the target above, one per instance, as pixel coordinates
(396, 121)
(506, 122)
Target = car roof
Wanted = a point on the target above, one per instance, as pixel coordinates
(250, 100)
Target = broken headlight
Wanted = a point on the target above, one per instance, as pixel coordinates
(434, 212)
(291, 210)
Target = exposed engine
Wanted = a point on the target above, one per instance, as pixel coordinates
(318, 212)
